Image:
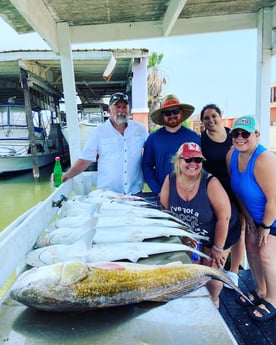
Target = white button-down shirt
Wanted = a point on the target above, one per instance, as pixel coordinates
(119, 156)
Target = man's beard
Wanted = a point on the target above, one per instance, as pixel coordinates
(173, 124)
(120, 118)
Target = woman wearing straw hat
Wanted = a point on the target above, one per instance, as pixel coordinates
(162, 144)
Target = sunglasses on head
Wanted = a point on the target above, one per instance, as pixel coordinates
(244, 134)
(174, 111)
(116, 96)
(195, 159)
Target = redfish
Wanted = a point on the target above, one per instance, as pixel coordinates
(74, 286)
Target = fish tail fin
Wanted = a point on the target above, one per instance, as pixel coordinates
(219, 274)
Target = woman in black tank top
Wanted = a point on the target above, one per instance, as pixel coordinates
(216, 141)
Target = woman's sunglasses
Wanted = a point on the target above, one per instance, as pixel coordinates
(195, 159)
(244, 134)
(174, 111)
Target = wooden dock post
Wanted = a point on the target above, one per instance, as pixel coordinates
(30, 124)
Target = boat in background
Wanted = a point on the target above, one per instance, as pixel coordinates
(15, 150)
(93, 114)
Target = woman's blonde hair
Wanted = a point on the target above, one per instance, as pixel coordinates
(176, 161)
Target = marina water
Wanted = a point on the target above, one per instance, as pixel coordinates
(19, 192)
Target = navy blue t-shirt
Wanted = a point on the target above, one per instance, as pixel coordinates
(159, 149)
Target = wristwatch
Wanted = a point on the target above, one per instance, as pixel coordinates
(264, 226)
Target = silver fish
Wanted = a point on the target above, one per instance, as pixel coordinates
(128, 233)
(133, 220)
(107, 195)
(75, 286)
(79, 251)
(115, 209)
(67, 235)
(139, 233)
(73, 221)
(113, 221)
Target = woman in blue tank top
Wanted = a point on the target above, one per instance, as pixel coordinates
(199, 199)
(253, 179)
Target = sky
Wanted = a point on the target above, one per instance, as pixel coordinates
(215, 68)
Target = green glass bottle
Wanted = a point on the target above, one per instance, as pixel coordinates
(57, 172)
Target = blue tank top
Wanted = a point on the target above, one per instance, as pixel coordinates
(246, 187)
(199, 214)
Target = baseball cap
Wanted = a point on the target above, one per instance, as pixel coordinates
(118, 96)
(190, 150)
(246, 123)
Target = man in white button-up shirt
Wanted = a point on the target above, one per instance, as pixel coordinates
(117, 146)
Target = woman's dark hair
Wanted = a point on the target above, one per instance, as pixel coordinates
(209, 106)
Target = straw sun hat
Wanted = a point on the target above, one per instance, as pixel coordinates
(168, 101)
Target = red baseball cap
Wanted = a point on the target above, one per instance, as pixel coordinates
(190, 150)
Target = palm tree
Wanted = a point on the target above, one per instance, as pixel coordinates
(156, 80)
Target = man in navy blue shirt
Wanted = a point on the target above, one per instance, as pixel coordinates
(162, 144)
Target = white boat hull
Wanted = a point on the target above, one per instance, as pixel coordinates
(21, 163)
(15, 144)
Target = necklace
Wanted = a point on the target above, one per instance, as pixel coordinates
(188, 188)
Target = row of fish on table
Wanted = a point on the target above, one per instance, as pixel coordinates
(77, 260)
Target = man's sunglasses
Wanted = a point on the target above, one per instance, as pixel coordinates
(174, 111)
(116, 96)
(195, 159)
(244, 134)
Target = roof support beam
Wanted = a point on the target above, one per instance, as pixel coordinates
(68, 80)
(142, 30)
(274, 30)
(264, 51)
(174, 9)
(37, 15)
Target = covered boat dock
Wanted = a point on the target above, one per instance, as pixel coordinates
(63, 23)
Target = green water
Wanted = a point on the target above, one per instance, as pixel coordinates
(19, 192)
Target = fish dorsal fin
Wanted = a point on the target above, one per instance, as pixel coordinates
(72, 272)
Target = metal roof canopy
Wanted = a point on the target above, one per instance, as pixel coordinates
(45, 72)
(62, 23)
(98, 21)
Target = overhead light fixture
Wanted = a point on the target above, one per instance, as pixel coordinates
(109, 68)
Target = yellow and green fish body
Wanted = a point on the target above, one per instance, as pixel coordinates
(75, 286)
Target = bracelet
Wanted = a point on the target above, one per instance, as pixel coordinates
(264, 226)
(217, 249)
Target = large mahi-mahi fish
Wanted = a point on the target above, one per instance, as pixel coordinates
(74, 286)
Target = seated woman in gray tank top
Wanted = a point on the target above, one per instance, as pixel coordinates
(199, 199)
